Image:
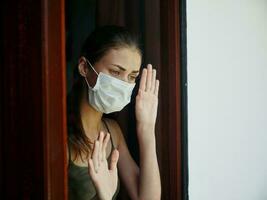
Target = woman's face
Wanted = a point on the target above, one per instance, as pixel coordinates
(121, 63)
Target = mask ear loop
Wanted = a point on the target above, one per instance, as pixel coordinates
(95, 72)
(91, 66)
(92, 69)
(87, 83)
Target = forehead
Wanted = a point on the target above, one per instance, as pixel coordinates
(128, 58)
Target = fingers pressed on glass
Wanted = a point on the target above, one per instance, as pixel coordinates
(91, 168)
(153, 82)
(114, 159)
(105, 143)
(149, 77)
(95, 155)
(156, 91)
(143, 80)
(101, 137)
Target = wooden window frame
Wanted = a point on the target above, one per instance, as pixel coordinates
(34, 32)
(35, 66)
(170, 97)
(54, 104)
(54, 92)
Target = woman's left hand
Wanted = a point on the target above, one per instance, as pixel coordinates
(104, 178)
(147, 99)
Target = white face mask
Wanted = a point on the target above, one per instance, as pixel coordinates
(109, 94)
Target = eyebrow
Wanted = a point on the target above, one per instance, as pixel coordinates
(123, 69)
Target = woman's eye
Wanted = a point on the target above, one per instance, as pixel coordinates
(132, 78)
(114, 72)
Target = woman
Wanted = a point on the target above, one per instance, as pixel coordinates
(97, 152)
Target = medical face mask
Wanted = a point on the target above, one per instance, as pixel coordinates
(109, 94)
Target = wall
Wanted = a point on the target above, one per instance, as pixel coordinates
(227, 96)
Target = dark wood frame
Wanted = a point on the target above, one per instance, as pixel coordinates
(171, 95)
(33, 100)
(46, 95)
(54, 105)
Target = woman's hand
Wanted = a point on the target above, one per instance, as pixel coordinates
(147, 99)
(104, 179)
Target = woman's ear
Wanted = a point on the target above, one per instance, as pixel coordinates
(82, 67)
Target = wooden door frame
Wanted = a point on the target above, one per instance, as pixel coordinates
(54, 95)
(170, 96)
(173, 104)
(54, 92)
(33, 88)
(22, 56)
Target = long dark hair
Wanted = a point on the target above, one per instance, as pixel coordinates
(99, 42)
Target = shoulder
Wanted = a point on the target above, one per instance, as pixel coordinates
(116, 132)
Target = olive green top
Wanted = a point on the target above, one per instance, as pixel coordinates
(80, 183)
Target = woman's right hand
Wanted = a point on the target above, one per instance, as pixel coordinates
(104, 178)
